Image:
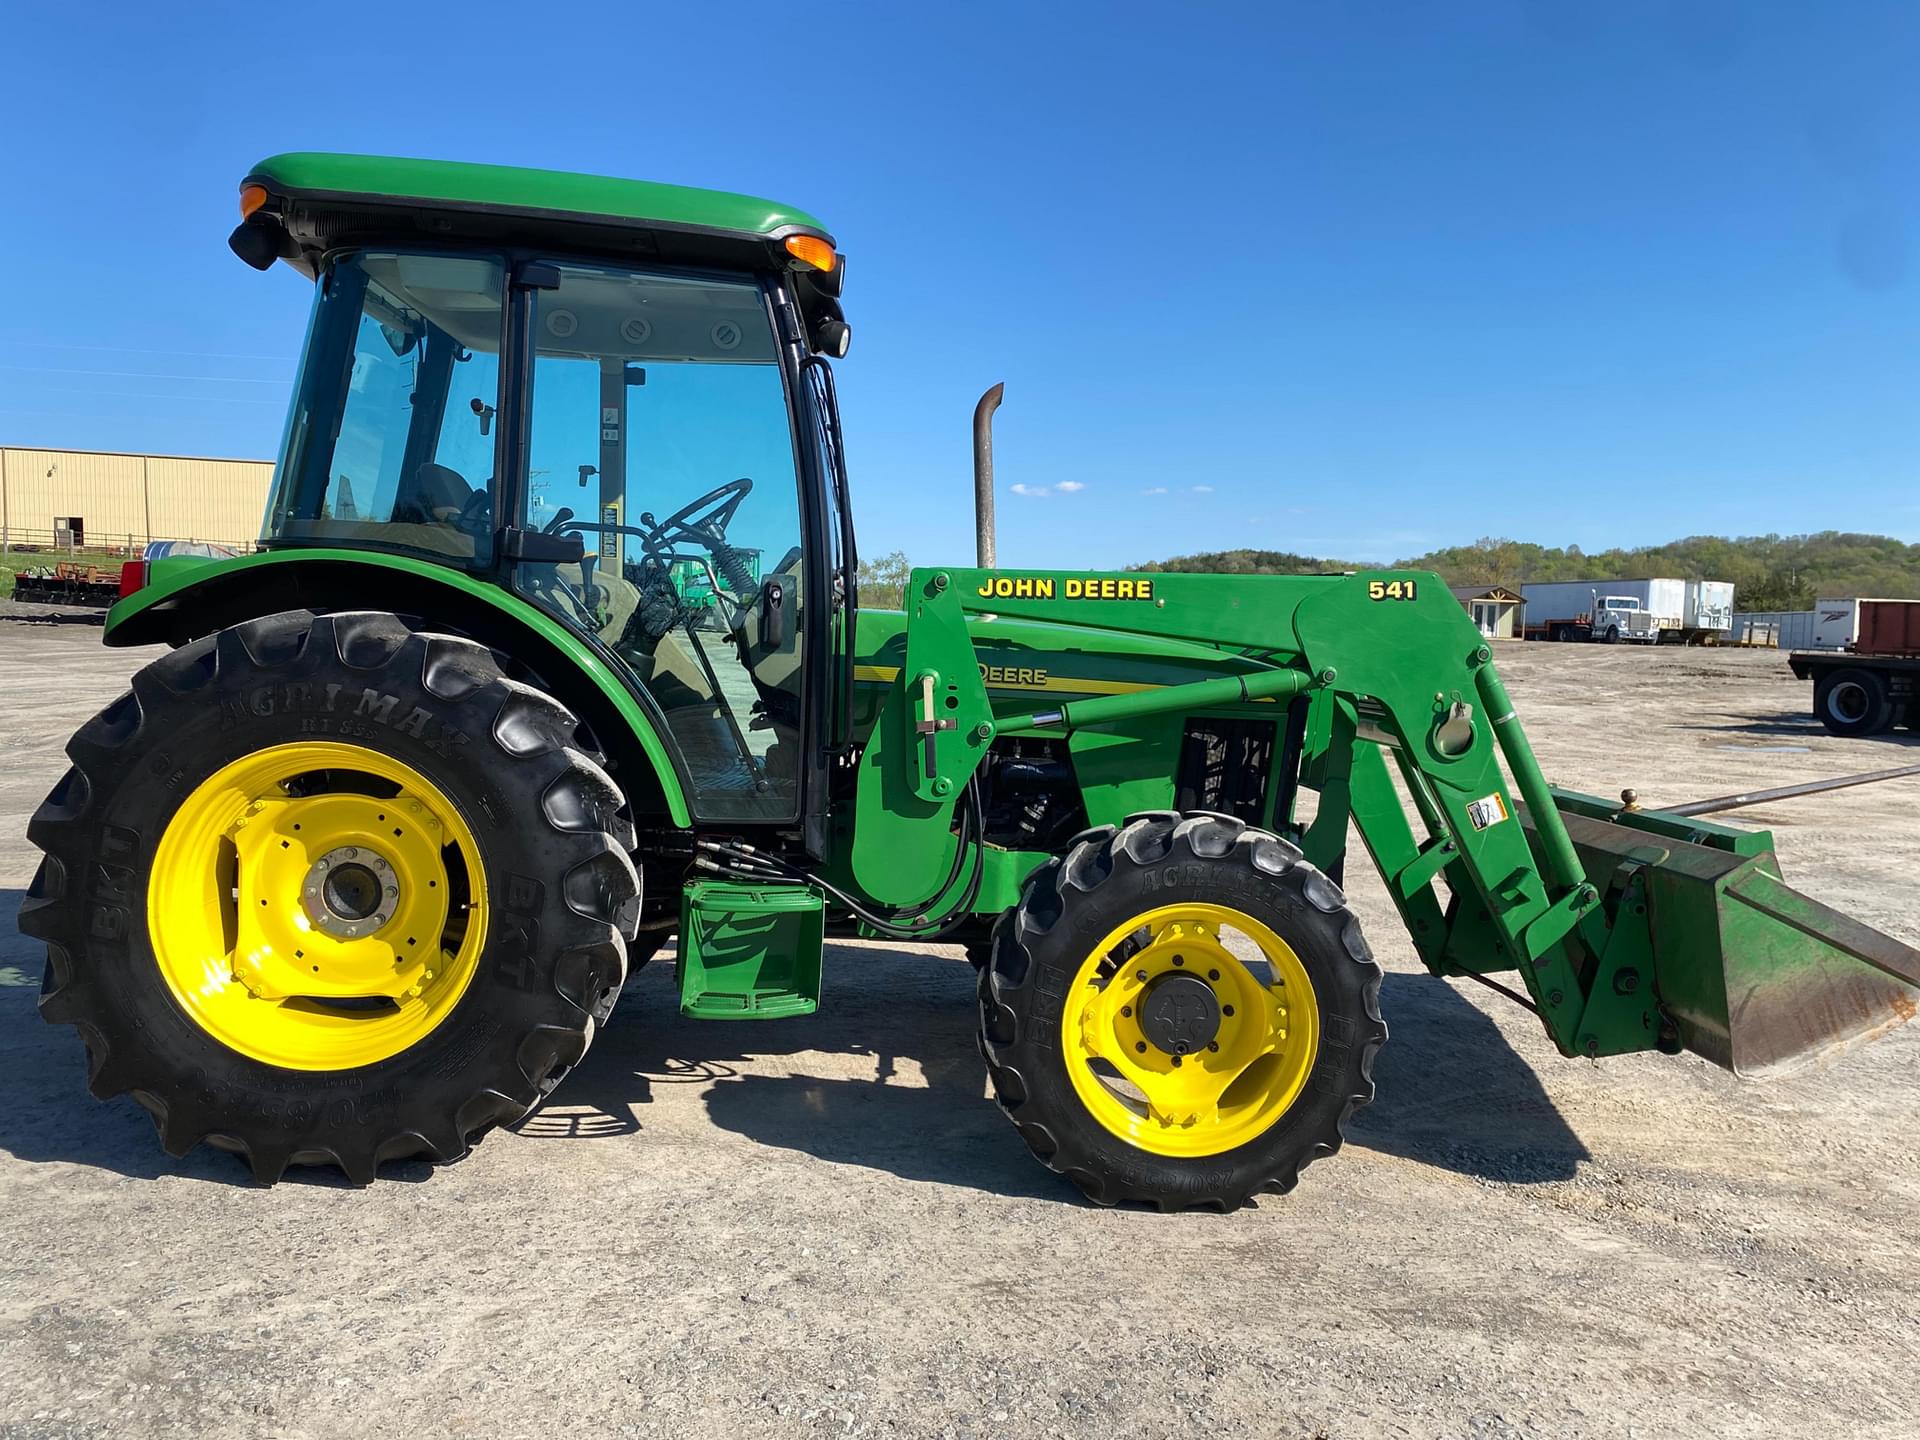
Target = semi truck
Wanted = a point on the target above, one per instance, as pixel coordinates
(1873, 684)
(1649, 611)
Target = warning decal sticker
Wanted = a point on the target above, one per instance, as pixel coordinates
(1487, 810)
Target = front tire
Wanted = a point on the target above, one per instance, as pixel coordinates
(331, 890)
(1181, 1012)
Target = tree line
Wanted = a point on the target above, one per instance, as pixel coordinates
(1769, 572)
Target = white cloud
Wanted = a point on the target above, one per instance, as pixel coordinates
(1035, 490)
(1203, 489)
(1155, 490)
(1068, 487)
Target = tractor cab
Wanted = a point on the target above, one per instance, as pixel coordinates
(632, 428)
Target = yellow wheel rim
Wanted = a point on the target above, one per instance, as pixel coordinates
(1226, 1091)
(317, 906)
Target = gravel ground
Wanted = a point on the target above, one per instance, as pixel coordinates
(824, 1228)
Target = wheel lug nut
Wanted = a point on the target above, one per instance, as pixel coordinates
(1179, 959)
(1213, 1044)
(1176, 1062)
(1126, 1012)
(1213, 974)
(1226, 1009)
(1141, 1046)
(1139, 974)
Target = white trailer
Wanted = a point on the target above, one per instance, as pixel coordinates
(1607, 610)
(1836, 625)
(1709, 609)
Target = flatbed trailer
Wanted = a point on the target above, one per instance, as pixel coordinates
(1857, 695)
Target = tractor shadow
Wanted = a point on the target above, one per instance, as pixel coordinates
(1452, 1093)
(891, 1081)
(49, 1117)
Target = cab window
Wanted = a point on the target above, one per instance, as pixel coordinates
(391, 438)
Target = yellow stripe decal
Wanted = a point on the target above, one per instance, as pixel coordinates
(887, 674)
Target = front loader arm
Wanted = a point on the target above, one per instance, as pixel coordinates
(1629, 931)
(1391, 659)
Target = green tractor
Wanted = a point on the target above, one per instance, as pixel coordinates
(356, 871)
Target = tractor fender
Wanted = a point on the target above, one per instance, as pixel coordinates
(194, 596)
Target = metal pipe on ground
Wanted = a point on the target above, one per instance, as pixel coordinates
(1786, 792)
(983, 475)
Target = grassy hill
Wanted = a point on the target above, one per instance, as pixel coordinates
(1769, 572)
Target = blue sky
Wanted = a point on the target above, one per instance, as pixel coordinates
(1351, 279)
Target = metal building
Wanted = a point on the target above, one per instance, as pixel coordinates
(106, 500)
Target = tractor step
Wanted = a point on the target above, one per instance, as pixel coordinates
(749, 952)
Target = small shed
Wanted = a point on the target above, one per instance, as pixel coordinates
(1495, 609)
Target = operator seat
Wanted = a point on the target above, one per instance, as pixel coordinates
(434, 496)
(672, 675)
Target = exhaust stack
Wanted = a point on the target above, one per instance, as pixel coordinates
(983, 475)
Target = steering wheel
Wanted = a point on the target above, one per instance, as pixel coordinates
(703, 520)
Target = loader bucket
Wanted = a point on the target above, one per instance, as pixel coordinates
(1755, 976)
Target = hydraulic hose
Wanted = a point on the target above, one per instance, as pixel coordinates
(905, 923)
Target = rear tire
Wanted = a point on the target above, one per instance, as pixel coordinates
(1853, 703)
(552, 896)
(1048, 967)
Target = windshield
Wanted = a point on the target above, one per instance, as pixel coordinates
(391, 438)
(1619, 602)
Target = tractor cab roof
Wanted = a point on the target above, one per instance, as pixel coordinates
(298, 206)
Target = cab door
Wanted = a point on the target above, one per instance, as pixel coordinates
(659, 432)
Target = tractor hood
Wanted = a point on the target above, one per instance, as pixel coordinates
(1025, 658)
